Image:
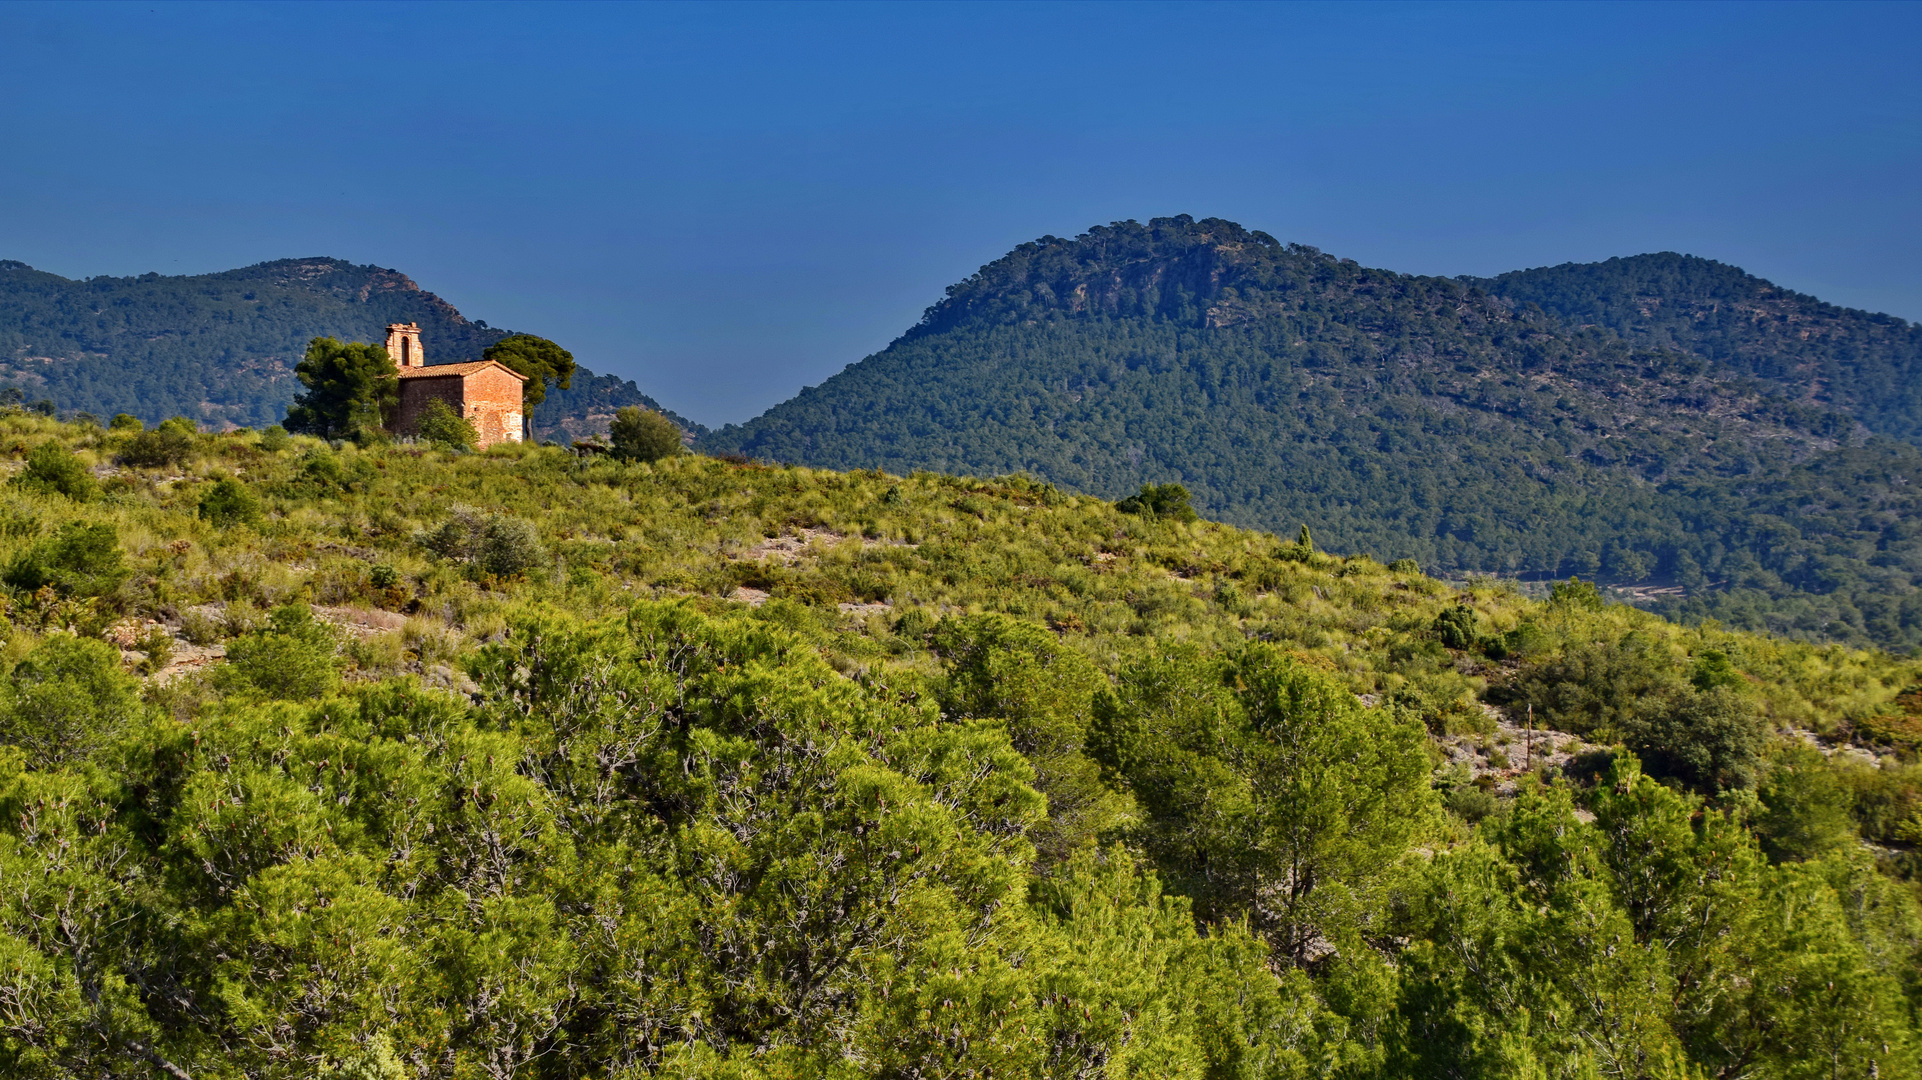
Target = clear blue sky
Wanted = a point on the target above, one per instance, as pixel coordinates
(725, 203)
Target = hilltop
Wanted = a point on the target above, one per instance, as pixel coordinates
(1467, 425)
(390, 761)
(1864, 364)
(221, 348)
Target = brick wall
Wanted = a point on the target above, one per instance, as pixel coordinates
(416, 393)
(494, 405)
(490, 399)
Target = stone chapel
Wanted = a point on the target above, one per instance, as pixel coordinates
(486, 392)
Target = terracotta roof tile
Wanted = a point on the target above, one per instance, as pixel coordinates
(433, 371)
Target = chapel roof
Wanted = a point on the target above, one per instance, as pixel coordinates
(436, 371)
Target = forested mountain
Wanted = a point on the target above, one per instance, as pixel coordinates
(1866, 364)
(1418, 417)
(221, 348)
(399, 763)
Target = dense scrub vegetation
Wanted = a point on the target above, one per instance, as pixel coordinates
(398, 762)
(1864, 363)
(1410, 417)
(221, 348)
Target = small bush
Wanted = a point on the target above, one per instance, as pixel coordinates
(292, 659)
(125, 422)
(51, 467)
(79, 560)
(157, 645)
(1710, 740)
(1404, 566)
(228, 503)
(68, 698)
(441, 426)
(1159, 501)
(274, 439)
(508, 547)
(201, 629)
(1576, 593)
(1455, 628)
(168, 446)
(643, 435)
(1472, 803)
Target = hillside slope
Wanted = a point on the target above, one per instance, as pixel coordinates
(221, 348)
(1866, 364)
(1405, 416)
(392, 762)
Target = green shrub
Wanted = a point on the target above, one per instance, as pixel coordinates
(1603, 688)
(1456, 627)
(1576, 593)
(1472, 803)
(228, 502)
(497, 544)
(200, 628)
(441, 426)
(1709, 740)
(293, 658)
(274, 439)
(78, 560)
(639, 434)
(125, 422)
(68, 698)
(1159, 501)
(168, 446)
(508, 547)
(51, 467)
(1806, 810)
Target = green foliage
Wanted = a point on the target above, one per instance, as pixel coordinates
(292, 658)
(1268, 791)
(1805, 806)
(1423, 418)
(228, 502)
(78, 560)
(544, 363)
(1020, 675)
(996, 781)
(643, 435)
(1655, 941)
(496, 544)
(52, 467)
(66, 700)
(441, 426)
(1710, 741)
(1159, 501)
(274, 439)
(1576, 593)
(126, 422)
(169, 445)
(1457, 628)
(350, 388)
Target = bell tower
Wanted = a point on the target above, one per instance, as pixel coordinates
(403, 345)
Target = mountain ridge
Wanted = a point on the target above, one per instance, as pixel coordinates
(221, 347)
(1403, 415)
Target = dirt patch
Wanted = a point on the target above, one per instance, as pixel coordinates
(361, 622)
(791, 547)
(1512, 751)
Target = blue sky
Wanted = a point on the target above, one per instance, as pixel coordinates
(725, 203)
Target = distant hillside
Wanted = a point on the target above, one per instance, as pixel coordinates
(1404, 416)
(221, 348)
(1867, 364)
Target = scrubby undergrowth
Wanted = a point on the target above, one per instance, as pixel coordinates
(395, 762)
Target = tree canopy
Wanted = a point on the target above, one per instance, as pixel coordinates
(350, 389)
